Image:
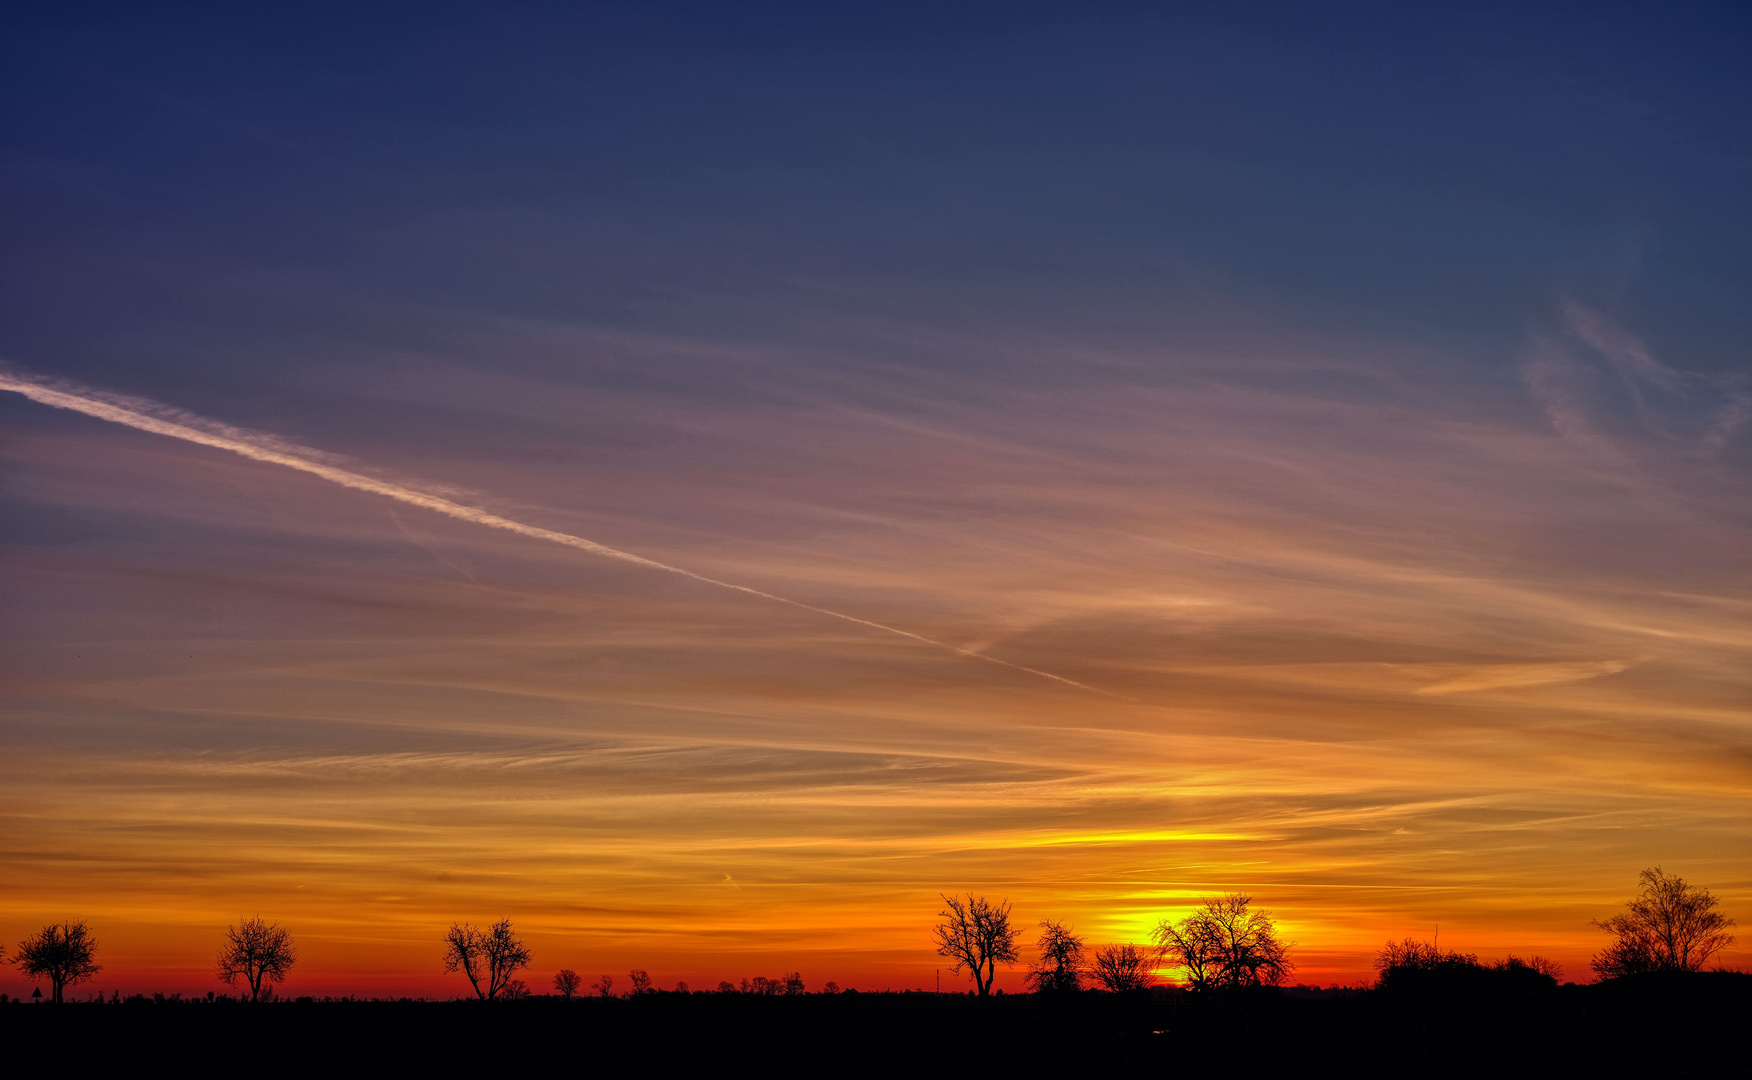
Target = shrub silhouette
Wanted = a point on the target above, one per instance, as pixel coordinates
(1121, 969)
(1418, 968)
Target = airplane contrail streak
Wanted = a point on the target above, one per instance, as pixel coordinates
(173, 423)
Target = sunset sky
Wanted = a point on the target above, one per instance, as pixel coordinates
(1336, 421)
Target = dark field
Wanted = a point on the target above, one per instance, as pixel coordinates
(1689, 1026)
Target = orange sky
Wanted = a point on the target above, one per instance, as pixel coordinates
(1384, 665)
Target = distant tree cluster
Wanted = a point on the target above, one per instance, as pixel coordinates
(788, 986)
(491, 958)
(1670, 926)
(1419, 967)
(1227, 943)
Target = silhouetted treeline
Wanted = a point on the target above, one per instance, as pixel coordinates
(1227, 946)
(1663, 1024)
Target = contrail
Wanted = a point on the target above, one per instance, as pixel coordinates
(164, 420)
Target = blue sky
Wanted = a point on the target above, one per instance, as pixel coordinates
(200, 185)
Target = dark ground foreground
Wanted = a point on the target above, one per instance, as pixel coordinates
(1697, 1025)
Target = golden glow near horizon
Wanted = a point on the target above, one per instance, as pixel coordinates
(1384, 666)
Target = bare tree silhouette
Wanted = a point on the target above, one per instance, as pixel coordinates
(61, 954)
(256, 951)
(1192, 947)
(605, 988)
(496, 954)
(1226, 944)
(566, 983)
(1124, 968)
(793, 984)
(1670, 926)
(976, 934)
(1060, 968)
(641, 980)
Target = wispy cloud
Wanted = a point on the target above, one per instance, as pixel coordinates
(1672, 402)
(1503, 676)
(173, 423)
